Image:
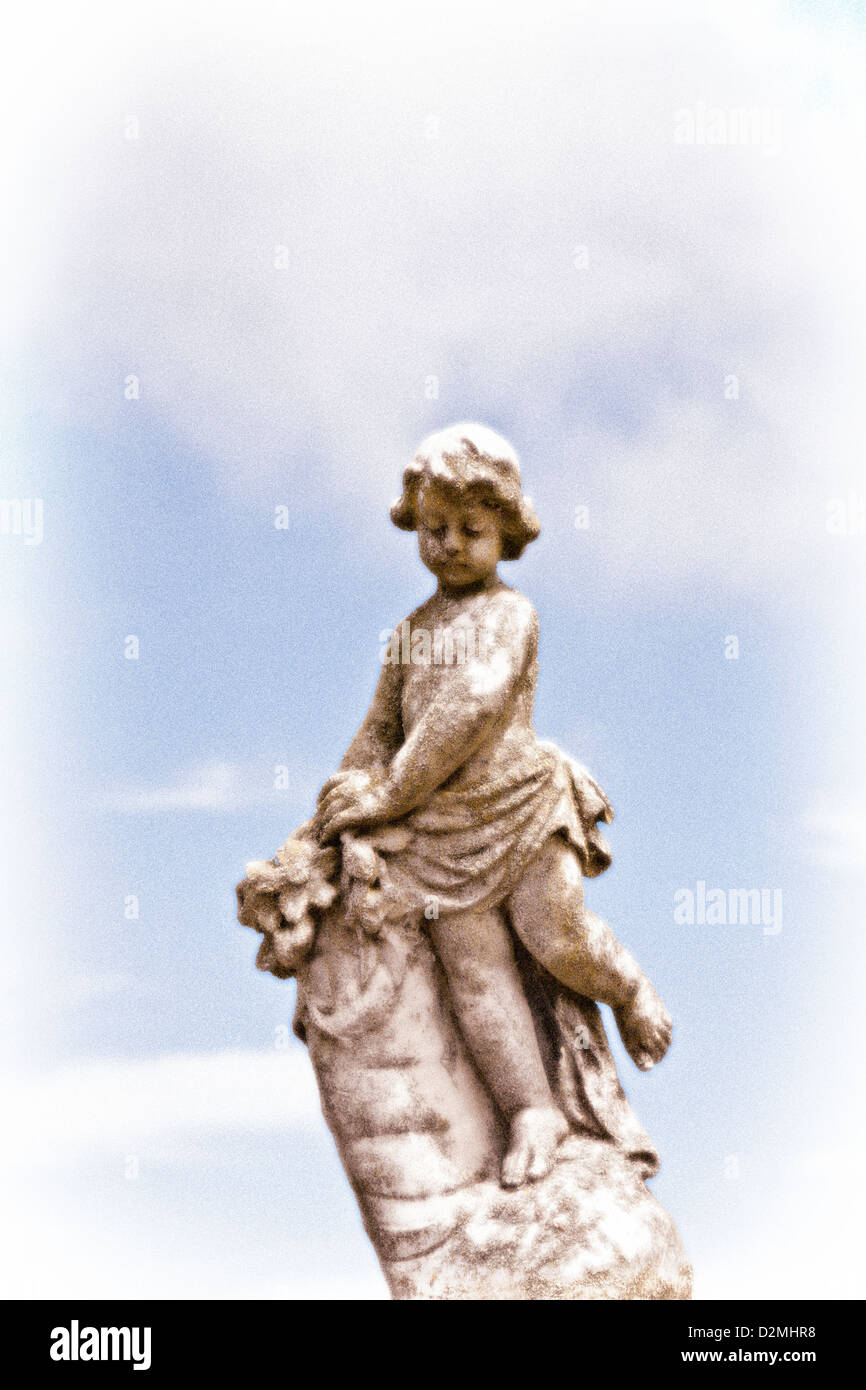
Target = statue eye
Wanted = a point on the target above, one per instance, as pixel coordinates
(471, 531)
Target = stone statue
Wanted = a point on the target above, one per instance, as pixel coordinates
(448, 968)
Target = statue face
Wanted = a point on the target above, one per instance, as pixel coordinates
(459, 540)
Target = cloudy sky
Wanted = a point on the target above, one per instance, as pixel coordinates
(256, 254)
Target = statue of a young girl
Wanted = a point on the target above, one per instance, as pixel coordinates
(501, 828)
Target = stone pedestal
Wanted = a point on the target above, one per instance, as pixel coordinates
(422, 1143)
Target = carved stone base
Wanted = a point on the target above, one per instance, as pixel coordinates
(422, 1143)
(590, 1230)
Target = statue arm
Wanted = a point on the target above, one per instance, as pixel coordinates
(381, 733)
(471, 699)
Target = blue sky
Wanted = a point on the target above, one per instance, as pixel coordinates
(671, 336)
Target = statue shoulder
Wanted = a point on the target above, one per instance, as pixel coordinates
(513, 616)
(422, 615)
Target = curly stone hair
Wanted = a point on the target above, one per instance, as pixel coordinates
(471, 461)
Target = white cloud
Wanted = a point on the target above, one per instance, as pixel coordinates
(73, 1227)
(63, 1126)
(835, 833)
(212, 786)
(91, 1109)
(52, 1251)
(73, 989)
(430, 194)
(335, 1288)
(807, 1240)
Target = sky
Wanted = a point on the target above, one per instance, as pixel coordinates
(255, 254)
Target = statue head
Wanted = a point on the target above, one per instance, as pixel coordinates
(471, 466)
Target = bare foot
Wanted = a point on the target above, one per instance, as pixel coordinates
(535, 1136)
(645, 1026)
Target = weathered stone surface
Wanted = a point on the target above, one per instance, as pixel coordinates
(590, 1230)
(422, 1145)
(448, 966)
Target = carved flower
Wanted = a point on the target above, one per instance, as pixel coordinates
(283, 897)
(372, 900)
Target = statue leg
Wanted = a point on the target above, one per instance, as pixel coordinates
(548, 913)
(475, 951)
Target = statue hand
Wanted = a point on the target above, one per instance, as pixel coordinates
(352, 798)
